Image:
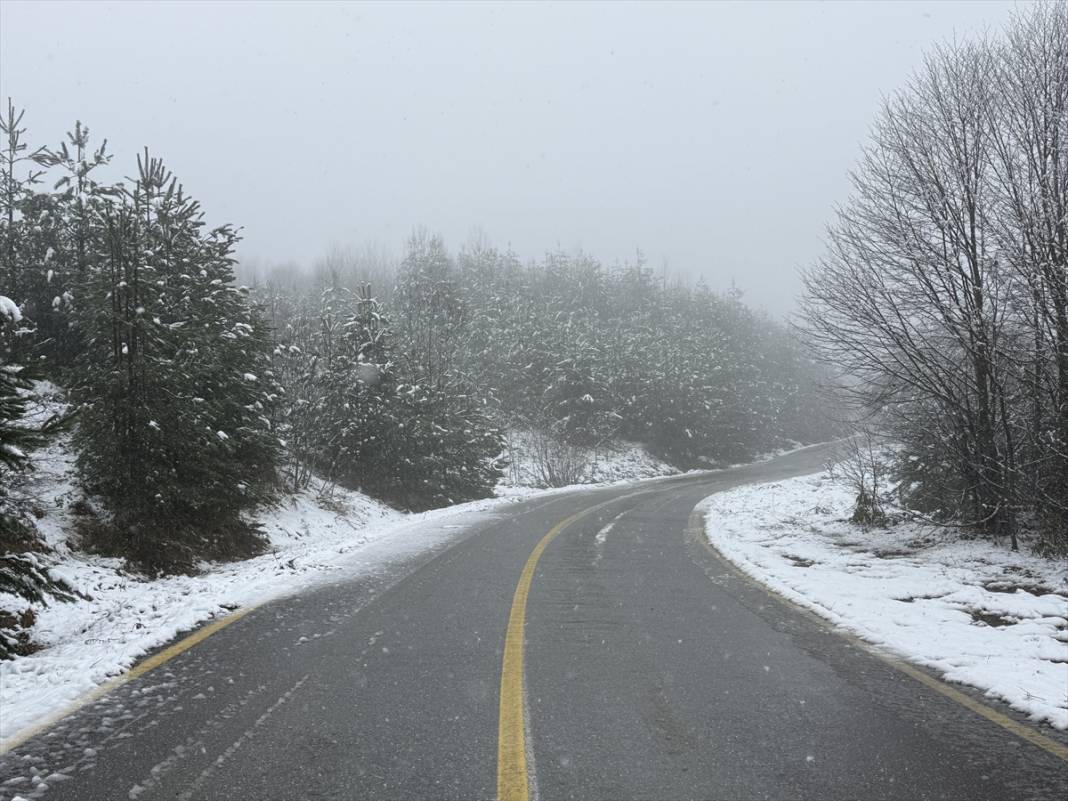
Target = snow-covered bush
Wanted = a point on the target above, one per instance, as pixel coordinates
(555, 461)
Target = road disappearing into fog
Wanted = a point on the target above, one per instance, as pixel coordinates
(584, 645)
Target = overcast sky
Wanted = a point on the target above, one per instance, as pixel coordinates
(717, 138)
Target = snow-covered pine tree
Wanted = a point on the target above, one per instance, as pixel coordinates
(362, 396)
(21, 239)
(440, 449)
(431, 313)
(298, 323)
(351, 416)
(15, 438)
(175, 386)
(447, 447)
(22, 576)
(18, 174)
(68, 224)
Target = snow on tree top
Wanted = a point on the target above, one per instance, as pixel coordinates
(9, 309)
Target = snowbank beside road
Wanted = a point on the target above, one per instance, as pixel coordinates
(124, 616)
(976, 613)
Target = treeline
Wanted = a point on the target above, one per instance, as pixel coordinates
(587, 353)
(194, 400)
(943, 300)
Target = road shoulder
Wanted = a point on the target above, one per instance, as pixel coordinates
(952, 609)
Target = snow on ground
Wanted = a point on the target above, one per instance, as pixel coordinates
(529, 452)
(972, 611)
(624, 462)
(86, 642)
(313, 539)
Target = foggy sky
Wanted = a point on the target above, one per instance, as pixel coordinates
(717, 138)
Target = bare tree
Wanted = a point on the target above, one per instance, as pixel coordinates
(1030, 148)
(941, 300)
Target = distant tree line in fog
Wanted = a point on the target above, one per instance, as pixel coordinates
(943, 300)
(567, 346)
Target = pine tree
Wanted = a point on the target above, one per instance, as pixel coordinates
(68, 224)
(21, 574)
(15, 189)
(431, 312)
(175, 385)
(15, 438)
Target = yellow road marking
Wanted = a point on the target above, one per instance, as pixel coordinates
(513, 784)
(513, 781)
(140, 669)
(1021, 730)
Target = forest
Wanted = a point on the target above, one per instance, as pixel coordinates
(192, 400)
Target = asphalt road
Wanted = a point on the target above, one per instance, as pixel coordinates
(652, 670)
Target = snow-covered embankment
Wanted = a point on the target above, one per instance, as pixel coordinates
(122, 616)
(974, 612)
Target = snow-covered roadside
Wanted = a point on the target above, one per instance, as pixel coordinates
(609, 463)
(89, 641)
(313, 540)
(974, 612)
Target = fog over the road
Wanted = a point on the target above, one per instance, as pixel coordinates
(717, 137)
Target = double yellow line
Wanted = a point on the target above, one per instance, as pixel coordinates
(513, 780)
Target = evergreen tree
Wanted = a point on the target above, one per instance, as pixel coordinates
(430, 309)
(175, 385)
(68, 224)
(15, 438)
(21, 573)
(353, 418)
(18, 174)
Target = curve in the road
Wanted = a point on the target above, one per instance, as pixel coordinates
(649, 669)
